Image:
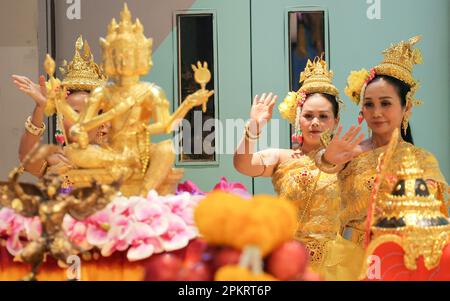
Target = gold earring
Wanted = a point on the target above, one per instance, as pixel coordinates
(405, 121)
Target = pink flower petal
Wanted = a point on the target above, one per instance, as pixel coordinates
(189, 187)
(152, 214)
(140, 251)
(96, 236)
(33, 228)
(177, 236)
(14, 245)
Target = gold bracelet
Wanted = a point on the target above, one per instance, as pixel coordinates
(325, 166)
(32, 129)
(249, 135)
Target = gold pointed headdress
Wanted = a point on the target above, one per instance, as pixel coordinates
(398, 62)
(82, 73)
(127, 35)
(316, 78)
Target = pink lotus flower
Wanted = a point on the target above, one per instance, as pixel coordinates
(232, 187)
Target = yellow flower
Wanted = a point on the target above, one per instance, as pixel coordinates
(226, 219)
(288, 107)
(355, 83)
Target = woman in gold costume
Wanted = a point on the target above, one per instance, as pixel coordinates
(81, 76)
(313, 110)
(386, 96)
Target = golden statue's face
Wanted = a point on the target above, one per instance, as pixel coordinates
(124, 60)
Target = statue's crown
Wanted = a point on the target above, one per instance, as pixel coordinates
(126, 33)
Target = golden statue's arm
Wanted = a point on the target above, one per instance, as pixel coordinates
(166, 123)
(200, 97)
(91, 111)
(158, 104)
(89, 120)
(56, 93)
(67, 111)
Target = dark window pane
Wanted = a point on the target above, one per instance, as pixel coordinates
(195, 43)
(306, 41)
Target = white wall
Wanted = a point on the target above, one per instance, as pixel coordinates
(19, 55)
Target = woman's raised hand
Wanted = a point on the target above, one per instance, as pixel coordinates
(343, 149)
(36, 91)
(262, 109)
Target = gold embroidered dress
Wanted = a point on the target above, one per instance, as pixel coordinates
(316, 196)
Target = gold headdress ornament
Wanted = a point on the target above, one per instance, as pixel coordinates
(82, 73)
(123, 36)
(398, 62)
(316, 78)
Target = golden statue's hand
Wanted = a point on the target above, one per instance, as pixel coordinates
(77, 133)
(202, 76)
(200, 97)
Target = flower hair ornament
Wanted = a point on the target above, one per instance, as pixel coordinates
(297, 137)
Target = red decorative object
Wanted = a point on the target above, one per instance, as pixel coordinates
(392, 268)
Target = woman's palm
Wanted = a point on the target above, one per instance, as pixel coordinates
(262, 108)
(343, 149)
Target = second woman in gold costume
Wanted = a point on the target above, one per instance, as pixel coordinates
(313, 110)
(386, 97)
